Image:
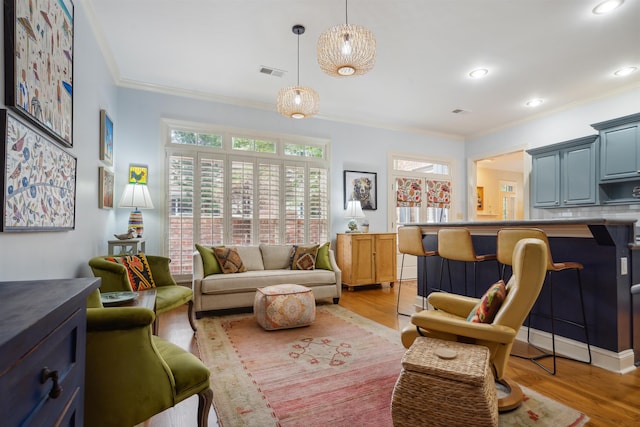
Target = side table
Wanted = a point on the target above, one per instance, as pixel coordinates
(126, 247)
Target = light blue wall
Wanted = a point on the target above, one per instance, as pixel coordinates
(26, 256)
(353, 147)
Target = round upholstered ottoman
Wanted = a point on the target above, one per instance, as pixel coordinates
(284, 306)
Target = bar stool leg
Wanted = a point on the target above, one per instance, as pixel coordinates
(399, 288)
(584, 316)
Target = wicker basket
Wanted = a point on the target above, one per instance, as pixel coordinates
(436, 391)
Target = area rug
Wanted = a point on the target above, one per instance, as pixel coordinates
(340, 371)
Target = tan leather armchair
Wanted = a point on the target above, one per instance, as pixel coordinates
(448, 320)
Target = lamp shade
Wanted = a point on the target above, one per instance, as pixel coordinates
(298, 102)
(136, 196)
(354, 209)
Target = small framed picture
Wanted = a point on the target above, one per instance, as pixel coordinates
(105, 190)
(106, 138)
(361, 186)
(480, 198)
(138, 174)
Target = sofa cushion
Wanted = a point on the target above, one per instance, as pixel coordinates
(229, 260)
(322, 260)
(276, 257)
(304, 257)
(249, 281)
(210, 264)
(251, 257)
(138, 270)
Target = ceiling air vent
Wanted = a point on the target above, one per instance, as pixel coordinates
(270, 71)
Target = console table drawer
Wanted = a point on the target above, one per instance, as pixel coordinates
(32, 397)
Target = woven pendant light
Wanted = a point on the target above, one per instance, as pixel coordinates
(298, 102)
(346, 50)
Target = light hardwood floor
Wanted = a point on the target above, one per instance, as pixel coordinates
(609, 399)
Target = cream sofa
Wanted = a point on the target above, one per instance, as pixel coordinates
(266, 265)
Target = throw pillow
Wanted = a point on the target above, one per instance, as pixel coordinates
(487, 308)
(304, 257)
(209, 262)
(322, 261)
(138, 270)
(229, 260)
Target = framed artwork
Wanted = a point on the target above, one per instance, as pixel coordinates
(105, 190)
(138, 174)
(106, 138)
(480, 198)
(39, 64)
(361, 186)
(39, 179)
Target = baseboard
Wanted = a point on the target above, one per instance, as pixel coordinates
(621, 363)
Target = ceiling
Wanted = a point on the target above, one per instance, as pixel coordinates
(557, 50)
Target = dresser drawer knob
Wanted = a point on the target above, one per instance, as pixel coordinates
(56, 390)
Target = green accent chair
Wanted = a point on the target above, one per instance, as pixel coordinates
(168, 294)
(131, 374)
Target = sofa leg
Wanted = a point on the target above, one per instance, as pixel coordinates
(336, 300)
(190, 314)
(205, 400)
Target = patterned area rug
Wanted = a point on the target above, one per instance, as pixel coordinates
(340, 371)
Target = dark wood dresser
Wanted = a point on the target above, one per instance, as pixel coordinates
(42, 351)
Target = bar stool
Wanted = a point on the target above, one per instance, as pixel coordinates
(410, 243)
(455, 244)
(506, 241)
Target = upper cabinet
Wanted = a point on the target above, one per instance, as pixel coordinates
(620, 150)
(564, 174)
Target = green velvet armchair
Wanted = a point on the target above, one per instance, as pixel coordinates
(131, 374)
(168, 294)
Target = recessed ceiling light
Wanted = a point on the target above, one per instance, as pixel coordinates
(478, 73)
(622, 72)
(607, 6)
(534, 102)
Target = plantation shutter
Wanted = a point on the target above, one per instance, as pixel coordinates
(318, 205)
(180, 208)
(269, 203)
(212, 203)
(242, 201)
(294, 187)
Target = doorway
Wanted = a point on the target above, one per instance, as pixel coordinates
(500, 187)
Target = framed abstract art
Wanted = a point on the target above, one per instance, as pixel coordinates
(39, 179)
(39, 64)
(105, 190)
(361, 186)
(106, 138)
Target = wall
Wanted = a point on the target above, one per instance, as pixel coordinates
(557, 127)
(49, 255)
(353, 147)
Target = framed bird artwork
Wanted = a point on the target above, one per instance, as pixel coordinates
(138, 174)
(39, 180)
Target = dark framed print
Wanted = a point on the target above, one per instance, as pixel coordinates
(105, 190)
(106, 138)
(38, 50)
(361, 186)
(39, 179)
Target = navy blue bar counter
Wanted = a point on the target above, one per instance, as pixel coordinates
(601, 245)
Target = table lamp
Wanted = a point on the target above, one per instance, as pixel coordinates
(136, 196)
(354, 212)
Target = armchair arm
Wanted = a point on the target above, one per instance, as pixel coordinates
(160, 270)
(118, 318)
(114, 275)
(459, 305)
(436, 321)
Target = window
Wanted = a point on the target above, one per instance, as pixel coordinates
(225, 189)
(422, 189)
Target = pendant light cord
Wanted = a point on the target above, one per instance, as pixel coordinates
(346, 12)
(298, 59)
